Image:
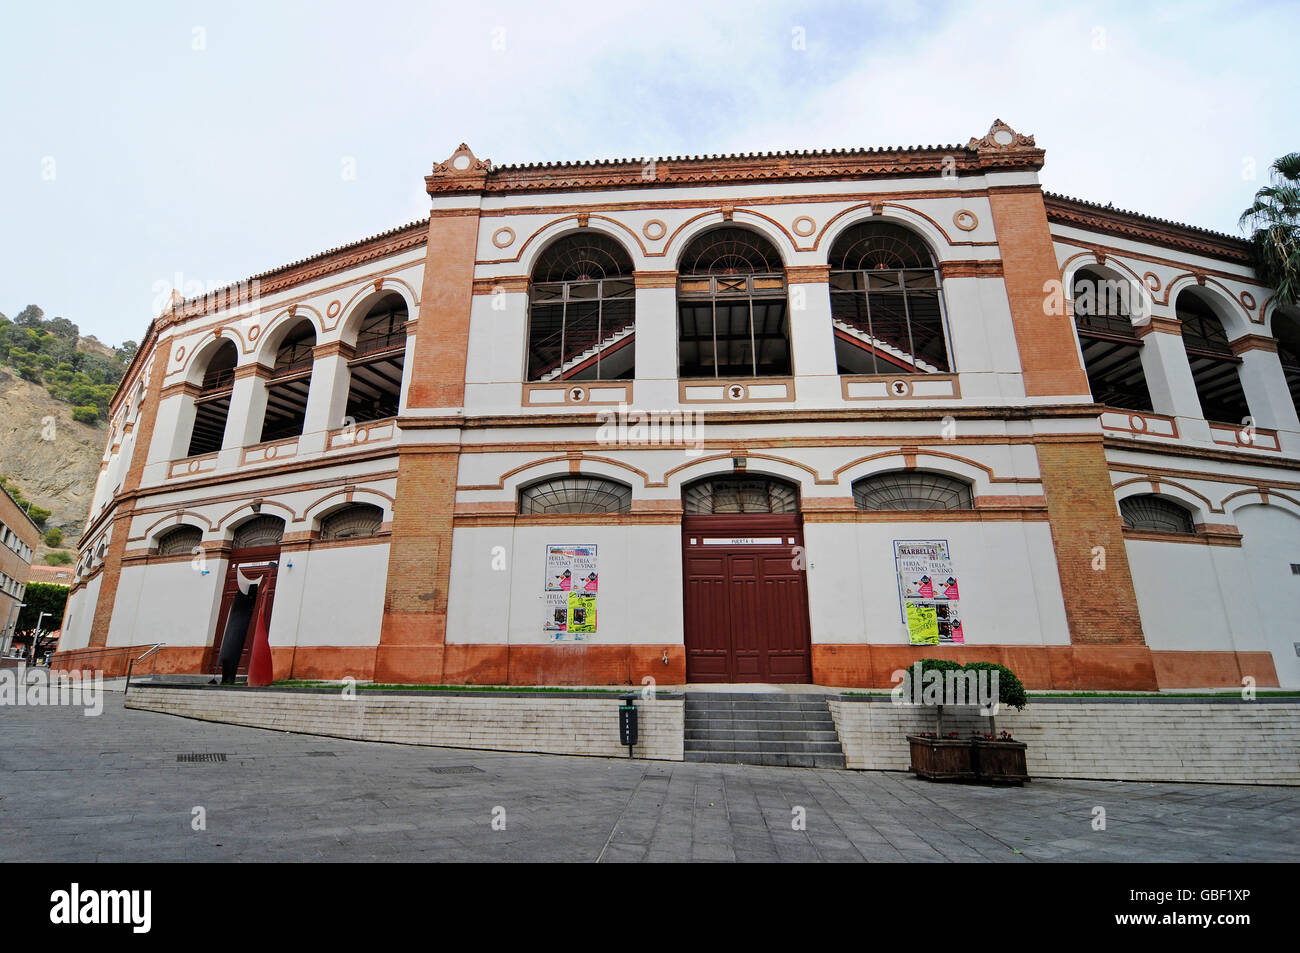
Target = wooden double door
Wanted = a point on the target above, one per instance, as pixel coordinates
(746, 599)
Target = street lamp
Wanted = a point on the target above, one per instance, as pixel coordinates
(36, 637)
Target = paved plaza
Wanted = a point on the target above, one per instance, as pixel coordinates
(123, 787)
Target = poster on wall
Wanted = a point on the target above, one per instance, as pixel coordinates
(572, 582)
(928, 592)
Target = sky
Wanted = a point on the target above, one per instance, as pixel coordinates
(149, 145)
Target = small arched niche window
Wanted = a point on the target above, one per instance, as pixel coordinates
(912, 490)
(886, 302)
(1286, 328)
(179, 541)
(582, 311)
(1155, 514)
(375, 369)
(739, 494)
(287, 388)
(1112, 351)
(212, 405)
(1214, 366)
(259, 531)
(732, 310)
(575, 494)
(352, 522)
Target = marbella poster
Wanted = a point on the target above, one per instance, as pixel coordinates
(928, 591)
(572, 582)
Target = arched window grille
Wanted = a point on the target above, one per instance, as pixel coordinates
(287, 388)
(259, 531)
(732, 309)
(351, 522)
(739, 494)
(1214, 366)
(886, 302)
(575, 494)
(179, 541)
(1154, 513)
(1112, 350)
(212, 405)
(912, 490)
(375, 369)
(582, 311)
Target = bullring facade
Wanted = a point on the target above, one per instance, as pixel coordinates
(777, 417)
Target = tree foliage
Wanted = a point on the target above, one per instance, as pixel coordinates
(39, 514)
(47, 351)
(41, 597)
(1274, 220)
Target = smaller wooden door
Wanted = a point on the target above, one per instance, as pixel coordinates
(260, 566)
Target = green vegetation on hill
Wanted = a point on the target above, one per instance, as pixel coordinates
(74, 370)
(39, 514)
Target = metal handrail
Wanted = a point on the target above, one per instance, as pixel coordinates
(140, 658)
(123, 649)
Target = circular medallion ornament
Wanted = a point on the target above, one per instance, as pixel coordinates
(965, 220)
(254, 333)
(654, 229)
(503, 237)
(900, 388)
(180, 354)
(1137, 423)
(736, 392)
(334, 308)
(804, 226)
(1248, 301)
(1152, 282)
(577, 395)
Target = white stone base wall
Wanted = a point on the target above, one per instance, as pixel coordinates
(1233, 742)
(555, 725)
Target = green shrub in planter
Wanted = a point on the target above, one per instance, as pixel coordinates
(1010, 690)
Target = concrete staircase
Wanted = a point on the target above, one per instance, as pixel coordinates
(795, 730)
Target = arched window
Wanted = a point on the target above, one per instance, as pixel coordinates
(886, 303)
(351, 522)
(1112, 350)
(212, 405)
(912, 490)
(259, 531)
(1286, 328)
(1214, 366)
(375, 370)
(582, 311)
(179, 541)
(1155, 513)
(732, 311)
(739, 494)
(286, 390)
(575, 494)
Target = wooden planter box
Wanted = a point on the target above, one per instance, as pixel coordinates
(942, 759)
(997, 762)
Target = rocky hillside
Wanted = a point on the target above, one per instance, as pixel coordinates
(58, 474)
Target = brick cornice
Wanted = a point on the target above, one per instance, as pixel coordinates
(1062, 210)
(976, 268)
(1253, 342)
(1160, 325)
(807, 274)
(839, 164)
(655, 279)
(510, 284)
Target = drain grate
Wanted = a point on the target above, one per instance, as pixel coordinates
(321, 754)
(456, 769)
(200, 757)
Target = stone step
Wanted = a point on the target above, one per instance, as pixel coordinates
(727, 726)
(790, 747)
(751, 707)
(768, 734)
(793, 760)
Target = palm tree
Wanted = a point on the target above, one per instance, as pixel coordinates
(1274, 217)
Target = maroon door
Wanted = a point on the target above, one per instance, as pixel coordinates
(259, 565)
(746, 599)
